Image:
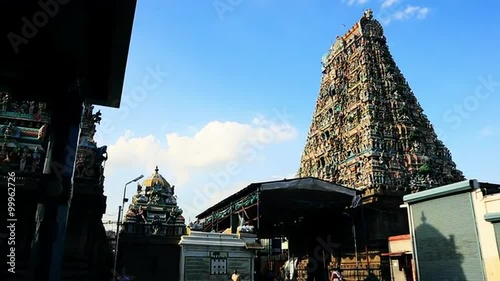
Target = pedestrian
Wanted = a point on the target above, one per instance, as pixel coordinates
(336, 276)
(235, 276)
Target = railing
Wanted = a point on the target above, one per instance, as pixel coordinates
(157, 229)
(351, 274)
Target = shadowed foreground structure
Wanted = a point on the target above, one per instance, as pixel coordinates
(55, 56)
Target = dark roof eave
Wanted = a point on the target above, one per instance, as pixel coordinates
(87, 39)
(122, 24)
(246, 191)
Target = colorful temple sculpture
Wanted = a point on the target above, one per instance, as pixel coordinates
(87, 246)
(369, 132)
(22, 135)
(24, 127)
(90, 157)
(152, 229)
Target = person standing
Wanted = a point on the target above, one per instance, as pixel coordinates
(235, 276)
(336, 276)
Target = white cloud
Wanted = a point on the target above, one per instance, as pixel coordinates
(352, 2)
(411, 11)
(389, 3)
(487, 132)
(407, 13)
(211, 147)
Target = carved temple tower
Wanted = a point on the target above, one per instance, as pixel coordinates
(153, 225)
(368, 129)
(370, 133)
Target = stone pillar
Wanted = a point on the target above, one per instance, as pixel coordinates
(235, 222)
(182, 264)
(56, 189)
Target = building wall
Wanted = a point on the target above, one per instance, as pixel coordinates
(148, 259)
(486, 232)
(195, 264)
(399, 244)
(492, 203)
(454, 233)
(200, 252)
(445, 237)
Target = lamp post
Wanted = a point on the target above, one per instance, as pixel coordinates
(118, 222)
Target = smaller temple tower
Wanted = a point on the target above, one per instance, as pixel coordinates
(153, 225)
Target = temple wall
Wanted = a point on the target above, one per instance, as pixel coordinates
(486, 232)
(382, 223)
(149, 258)
(214, 257)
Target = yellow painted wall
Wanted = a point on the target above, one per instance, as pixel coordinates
(400, 246)
(487, 238)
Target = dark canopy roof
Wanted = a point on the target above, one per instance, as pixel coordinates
(304, 193)
(47, 43)
(294, 195)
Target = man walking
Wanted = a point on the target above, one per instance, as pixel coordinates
(235, 276)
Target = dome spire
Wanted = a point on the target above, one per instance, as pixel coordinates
(156, 170)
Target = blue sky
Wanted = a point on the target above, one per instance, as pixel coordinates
(234, 86)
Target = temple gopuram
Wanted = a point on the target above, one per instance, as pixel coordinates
(24, 141)
(369, 132)
(152, 229)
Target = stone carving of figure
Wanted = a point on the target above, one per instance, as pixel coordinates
(8, 131)
(156, 194)
(130, 213)
(24, 158)
(175, 212)
(42, 107)
(5, 101)
(97, 117)
(171, 199)
(102, 154)
(36, 160)
(139, 197)
(85, 111)
(3, 153)
(140, 215)
(31, 109)
(156, 225)
(80, 165)
(89, 112)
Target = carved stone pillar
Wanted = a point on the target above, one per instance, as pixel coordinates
(56, 189)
